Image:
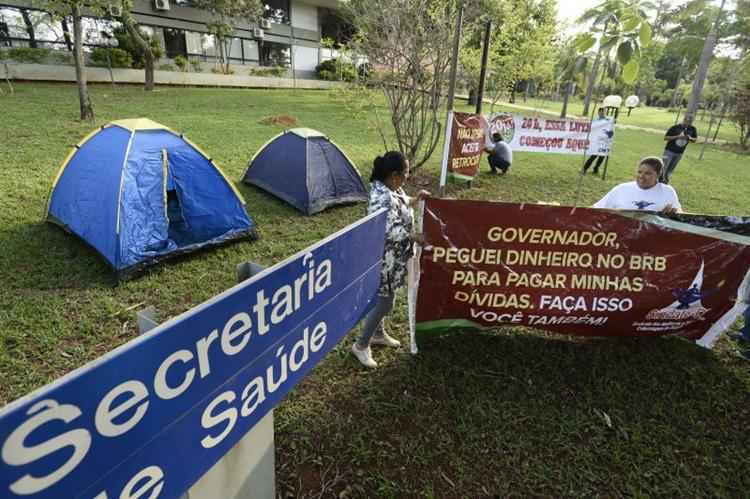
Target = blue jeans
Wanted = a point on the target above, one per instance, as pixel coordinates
(670, 160)
(374, 320)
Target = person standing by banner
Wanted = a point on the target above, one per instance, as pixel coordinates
(645, 193)
(678, 137)
(389, 173)
(499, 155)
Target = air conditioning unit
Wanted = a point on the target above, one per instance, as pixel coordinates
(114, 10)
(161, 4)
(258, 33)
(265, 23)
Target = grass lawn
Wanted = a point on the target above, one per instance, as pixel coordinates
(644, 116)
(509, 413)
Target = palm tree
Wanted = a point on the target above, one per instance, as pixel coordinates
(620, 25)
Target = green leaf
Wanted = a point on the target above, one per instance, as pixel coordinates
(624, 52)
(630, 70)
(585, 42)
(630, 23)
(645, 34)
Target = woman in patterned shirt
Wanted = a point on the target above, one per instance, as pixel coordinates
(389, 173)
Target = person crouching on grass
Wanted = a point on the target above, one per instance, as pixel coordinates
(389, 173)
(645, 193)
(499, 156)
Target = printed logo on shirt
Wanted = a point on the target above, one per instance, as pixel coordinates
(642, 205)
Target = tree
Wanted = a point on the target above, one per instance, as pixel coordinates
(700, 76)
(620, 25)
(74, 9)
(408, 45)
(223, 13)
(742, 113)
(29, 27)
(522, 45)
(647, 85)
(569, 65)
(143, 44)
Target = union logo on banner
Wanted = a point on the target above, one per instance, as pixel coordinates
(504, 124)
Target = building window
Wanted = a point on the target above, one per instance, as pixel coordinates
(277, 11)
(174, 42)
(34, 28)
(250, 50)
(275, 54)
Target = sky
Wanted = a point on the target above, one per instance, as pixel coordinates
(569, 10)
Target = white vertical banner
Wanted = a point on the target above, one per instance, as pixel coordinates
(446, 150)
(413, 281)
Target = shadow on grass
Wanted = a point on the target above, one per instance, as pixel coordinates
(41, 256)
(44, 257)
(516, 414)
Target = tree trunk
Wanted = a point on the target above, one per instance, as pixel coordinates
(700, 75)
(87, 110)
(66, 34)
(673, 104)
(29, 27)
(222, 58)
(148, 54)
(566, 95)
(225, 55)
(591, 82)
(526, 91)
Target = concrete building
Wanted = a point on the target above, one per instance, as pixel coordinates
(289, 34)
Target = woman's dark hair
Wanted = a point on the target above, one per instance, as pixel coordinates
(386, 165)
(655, 163)
(496, 137)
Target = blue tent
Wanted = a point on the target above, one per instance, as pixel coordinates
(138, 192)
(307, 170)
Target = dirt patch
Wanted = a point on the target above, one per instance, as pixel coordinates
(282, 119)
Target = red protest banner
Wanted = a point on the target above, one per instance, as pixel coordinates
(467, 140)
(583, 272)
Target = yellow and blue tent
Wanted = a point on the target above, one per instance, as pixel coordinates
(138, 192)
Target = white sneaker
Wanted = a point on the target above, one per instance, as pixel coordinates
(364, 356)
(385, 339)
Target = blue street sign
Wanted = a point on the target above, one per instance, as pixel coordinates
(150, 418)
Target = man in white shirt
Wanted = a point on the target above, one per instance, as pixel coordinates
(645, 193)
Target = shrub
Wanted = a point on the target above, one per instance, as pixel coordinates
(333, 70)
(59, 57)
(29, 55)
(273, 71)
(325, 74)
(126, 43)
(196, 65)
(119, 57)
(181, 63)
(219, 71)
